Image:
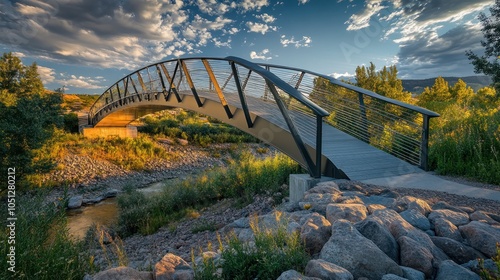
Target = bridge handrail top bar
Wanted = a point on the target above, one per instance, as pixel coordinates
(421, 110)
(280, 84)
(247, 64)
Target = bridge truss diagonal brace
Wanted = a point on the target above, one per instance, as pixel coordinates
(313, 169)
(217, 88)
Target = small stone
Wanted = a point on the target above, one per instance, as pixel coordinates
(75, 202)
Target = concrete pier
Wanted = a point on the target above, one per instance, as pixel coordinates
(107, 131)
(300, 183)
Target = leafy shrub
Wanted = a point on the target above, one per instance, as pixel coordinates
(273, 252)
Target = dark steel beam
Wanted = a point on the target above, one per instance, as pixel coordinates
(311, 167)
(246, 79)
(164, 89)
(170, 82)
(243, 99)
(172, 86)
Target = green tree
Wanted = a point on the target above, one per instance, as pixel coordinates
(461, 93)
(28, 116)
(384, 82)
(439, 92)
(488, 63)
(485, 98)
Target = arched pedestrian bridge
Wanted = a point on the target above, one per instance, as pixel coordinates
(330, 127)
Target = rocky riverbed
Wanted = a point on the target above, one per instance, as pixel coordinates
(351, 230)
(96, 179)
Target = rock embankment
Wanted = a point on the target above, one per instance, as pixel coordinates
(351, 231)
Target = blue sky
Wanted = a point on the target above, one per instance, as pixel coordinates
(87, 45)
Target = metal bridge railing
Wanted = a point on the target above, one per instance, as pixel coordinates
(232, 82)
(396, 127)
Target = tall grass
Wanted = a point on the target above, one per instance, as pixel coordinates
(43, 248)
(243, 178)
(468, 146)
(273, 252)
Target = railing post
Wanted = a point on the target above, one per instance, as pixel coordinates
(364, 120)
(424, 145)
(319, 142)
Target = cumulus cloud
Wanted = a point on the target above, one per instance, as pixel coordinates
(341, 75)
(260, 55)
(303, 2)
(47, 75)
(115, 33)
(362, 20)
(260, 27)
(304, 42)
(82, 82)
(248, 5)
(267, 18)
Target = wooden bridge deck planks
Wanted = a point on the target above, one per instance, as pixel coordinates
(357, 159)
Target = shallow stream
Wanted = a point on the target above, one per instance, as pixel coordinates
(104, 213)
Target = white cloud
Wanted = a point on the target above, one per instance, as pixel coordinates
(260, 55)
(303, 2)
(304, 42)
(47, 75)
(341, 75)
(81, 82)
(267, 18)
(260, 27)
(362, 20)
(219, 43)
(248, 5)
(212, 7)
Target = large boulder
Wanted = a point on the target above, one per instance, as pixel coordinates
(416, 256)
(315, 233)
(445, 228)
(416, 203)
(392, 277)
(173, 267)
(377, 199)
(455, 217)
(449, 270)
(483, 216)
(412, 274)
(326, 270)
(350, 212)
(457, 251)
(349, 249)
(379, 235)
(123, 273)
(294, 275)
(416, 219)
(481, 237)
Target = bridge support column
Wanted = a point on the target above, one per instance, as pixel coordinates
(105, 131)
(300, 183)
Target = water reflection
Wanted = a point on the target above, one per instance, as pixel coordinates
(103, 213)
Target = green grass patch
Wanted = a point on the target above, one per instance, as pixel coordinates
(43, 248)
(193, 127)
(243, 178)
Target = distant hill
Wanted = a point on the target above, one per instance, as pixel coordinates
(475, 82)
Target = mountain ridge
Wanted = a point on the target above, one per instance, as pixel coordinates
(417, 85)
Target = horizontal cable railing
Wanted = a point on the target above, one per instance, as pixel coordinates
(396, 127)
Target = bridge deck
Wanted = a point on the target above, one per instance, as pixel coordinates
(357, 159)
